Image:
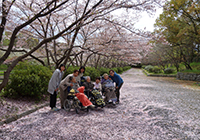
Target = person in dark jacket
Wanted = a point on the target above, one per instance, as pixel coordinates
(118, 81)
(80, 78)
(88, 86)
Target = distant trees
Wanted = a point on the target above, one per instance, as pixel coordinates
(177, 35)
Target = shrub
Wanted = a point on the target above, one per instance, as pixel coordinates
(195, 65)
(70, 70)
(28, 80)
(168, 70)
(115, 69)
(156, 69)
(126, 68)
(3, 67)
(143, 66)
(149, 68)
(103, 70)
(92, 72)
(120, 70)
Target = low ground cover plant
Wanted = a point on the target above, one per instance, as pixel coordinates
(172, 70)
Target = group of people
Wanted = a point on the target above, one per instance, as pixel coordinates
(104, 84)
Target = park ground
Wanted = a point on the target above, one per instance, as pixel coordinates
(151, 108)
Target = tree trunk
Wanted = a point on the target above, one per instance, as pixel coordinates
(71, 62)
(87, 58)
(72, 43)
(7, 73)
(188, 67)
(3, 20)
(97, 62)
(76, 60)
(81, 59)
(47, 54)
(18, 28)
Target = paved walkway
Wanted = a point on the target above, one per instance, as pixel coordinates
(151, 108)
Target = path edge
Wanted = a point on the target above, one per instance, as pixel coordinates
(18, 116)
(158, 75)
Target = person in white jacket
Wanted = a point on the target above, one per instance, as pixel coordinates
(54, 84)
(97, 84)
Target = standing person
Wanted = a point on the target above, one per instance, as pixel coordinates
(80, 75)
(119, 82)
(64, 84)
(54, 84)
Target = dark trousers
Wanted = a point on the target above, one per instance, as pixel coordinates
(118, 91)
(53, 98)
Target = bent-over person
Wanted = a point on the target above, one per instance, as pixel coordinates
(63, 86)
(53, 86)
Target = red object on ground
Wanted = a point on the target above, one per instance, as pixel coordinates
(82, 97)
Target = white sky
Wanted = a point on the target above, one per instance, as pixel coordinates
(147, 21)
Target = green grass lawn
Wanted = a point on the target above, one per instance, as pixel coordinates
(1, 72)
(195, 68)
(192, 71)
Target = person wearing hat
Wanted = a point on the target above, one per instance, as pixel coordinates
(53, 85)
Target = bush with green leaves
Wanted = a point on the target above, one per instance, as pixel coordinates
(149, 68)
(3, 67)
(103, 70)
(115, 69)
(126, 68)
(156, 69)
(92, 72)
(120, 70)
(168, 70)
(195, 65)
(28, 80)
(143, 66)
(70, 70)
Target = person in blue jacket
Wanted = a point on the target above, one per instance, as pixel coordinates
(118, 80)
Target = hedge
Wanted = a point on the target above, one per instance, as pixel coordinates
(28, 80)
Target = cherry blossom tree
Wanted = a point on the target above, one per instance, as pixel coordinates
(24, 16)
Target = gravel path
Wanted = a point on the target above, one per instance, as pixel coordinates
(150, 109)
